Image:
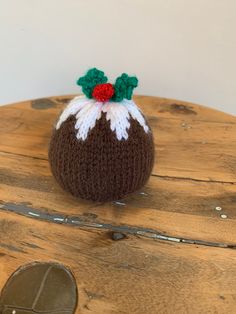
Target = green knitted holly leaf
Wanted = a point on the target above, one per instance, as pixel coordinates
(92, 78)
(124, 86)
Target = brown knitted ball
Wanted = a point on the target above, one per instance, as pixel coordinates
(101, 167)
(102, 147)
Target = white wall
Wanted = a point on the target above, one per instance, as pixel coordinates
(184, 49)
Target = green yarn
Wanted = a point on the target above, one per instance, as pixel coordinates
(124, 86)
(92, 78)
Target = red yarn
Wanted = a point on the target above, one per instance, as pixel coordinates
(103, 92)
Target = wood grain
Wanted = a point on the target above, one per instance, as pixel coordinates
(134, 275)
(176, 253)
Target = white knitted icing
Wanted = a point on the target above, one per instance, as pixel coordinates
(88, 111)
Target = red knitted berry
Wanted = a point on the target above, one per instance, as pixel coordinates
(103, 92)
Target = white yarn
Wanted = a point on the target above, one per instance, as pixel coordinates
(88, 111)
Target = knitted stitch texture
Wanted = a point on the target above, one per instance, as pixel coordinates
(88, 111)
(102, 146)
(101, 167)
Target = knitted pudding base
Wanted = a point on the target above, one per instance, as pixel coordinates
(101, 168)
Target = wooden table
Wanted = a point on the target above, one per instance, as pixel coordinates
(169, 248)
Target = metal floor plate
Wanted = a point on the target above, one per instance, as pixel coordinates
(39, 287)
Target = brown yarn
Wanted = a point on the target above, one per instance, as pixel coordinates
(101, 168)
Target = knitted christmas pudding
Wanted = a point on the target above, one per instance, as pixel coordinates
(102, 146)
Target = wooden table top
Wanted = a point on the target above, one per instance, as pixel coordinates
(169, 248)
